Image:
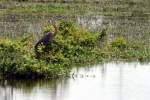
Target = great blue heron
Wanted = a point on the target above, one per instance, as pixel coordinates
(46, 40)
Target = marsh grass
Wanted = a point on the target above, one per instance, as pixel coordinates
(107, 8)
(129, 18)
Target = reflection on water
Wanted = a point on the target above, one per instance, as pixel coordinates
(111, 81)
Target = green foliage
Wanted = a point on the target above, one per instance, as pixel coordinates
(70, 45)
(48, 28)
(41, 48)
(103, 34)
(136, 45)
(17, 62)
(67, 28)
(119, 42)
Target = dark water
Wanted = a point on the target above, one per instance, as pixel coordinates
(111, 81)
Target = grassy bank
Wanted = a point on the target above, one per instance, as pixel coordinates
(72, 46)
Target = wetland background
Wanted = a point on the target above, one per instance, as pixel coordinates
(130, 18)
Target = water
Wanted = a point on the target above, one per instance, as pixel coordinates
(111, 81)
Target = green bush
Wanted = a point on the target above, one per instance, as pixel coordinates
(119, 42)
(70, 42)
(70, 45)
(48, 28)
(17, 62)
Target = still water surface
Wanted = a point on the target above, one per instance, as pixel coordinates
(111, 81)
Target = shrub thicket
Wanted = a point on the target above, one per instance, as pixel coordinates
(71, 45)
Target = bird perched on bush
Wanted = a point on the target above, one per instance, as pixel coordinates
(44, 44)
